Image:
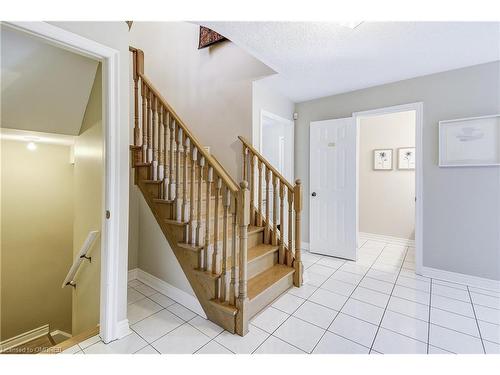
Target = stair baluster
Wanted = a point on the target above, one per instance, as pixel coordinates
(166, 122)
(244, 219)
(144, 124)
(185, 181)
(275, 211)
(232, 284)
(149, 154)
(297, 277)
(194, 158)
(198, 215)
(260, 187)
(218, 186)
(178, 143)
(137, 130)
(171, 161)
(268, 206)
(281, 254)
(226, 202)
(207, 216)
(289, 256)
(252, 188)
(154, 138)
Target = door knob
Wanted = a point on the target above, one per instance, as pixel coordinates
(313, 194)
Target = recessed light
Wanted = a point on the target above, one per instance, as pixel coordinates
(31, 146)
(351, 24)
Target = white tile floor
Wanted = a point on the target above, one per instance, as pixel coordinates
(375, 305)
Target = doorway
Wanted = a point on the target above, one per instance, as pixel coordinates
(334, 181)
(112, 315)
(277, 142)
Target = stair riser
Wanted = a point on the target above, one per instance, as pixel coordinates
(255, 239)
(262, 264)
(269, 295)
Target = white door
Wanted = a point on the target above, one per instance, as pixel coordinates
(332, 224)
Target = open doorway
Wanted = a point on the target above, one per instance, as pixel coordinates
(343, 169)
(52, 183)
(389, 178)
(277, 142)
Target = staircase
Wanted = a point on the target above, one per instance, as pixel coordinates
(238, 244)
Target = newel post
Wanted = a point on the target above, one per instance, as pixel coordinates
(243, 220)
(297, 200)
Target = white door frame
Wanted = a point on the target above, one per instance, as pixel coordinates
(110, 301)
(418, 107)
(264, 113)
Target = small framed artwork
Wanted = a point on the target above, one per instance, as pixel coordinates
(406, 158)
(473, 141)
(382, 159)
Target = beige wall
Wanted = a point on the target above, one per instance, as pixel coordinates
(386, 198)
(36, 237)
(211, 90)
(88, 194)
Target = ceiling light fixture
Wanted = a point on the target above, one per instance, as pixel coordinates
(350, 24)
(31, 146)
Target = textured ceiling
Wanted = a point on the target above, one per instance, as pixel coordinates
(43, 88)
(320, 59)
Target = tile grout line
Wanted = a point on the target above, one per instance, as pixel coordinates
(429, 321)
(477, 323)
(305, 300)
(357, 285)
(290, 315)
(387, 304)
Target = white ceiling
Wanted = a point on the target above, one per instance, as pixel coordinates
(320, 59)
(43, 88)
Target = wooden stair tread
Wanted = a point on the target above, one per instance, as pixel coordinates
(260, 250)
(152, 181)
(266, 279)
(165, 201)
(175, 222)
(253, 229)
(207, 274)
(188, 246)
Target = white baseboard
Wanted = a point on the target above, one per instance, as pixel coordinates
(132, 274)
(178, 295)
(389, 239)
(461, 278)
(304, 245)
(24, 337)
(122, 329)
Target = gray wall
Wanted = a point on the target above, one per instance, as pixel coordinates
(386, 198)
(461, 206)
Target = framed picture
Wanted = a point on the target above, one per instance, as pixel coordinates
(406, 158)
(473, 141)
(382, 159)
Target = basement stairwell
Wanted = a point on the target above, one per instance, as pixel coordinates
(238, 244)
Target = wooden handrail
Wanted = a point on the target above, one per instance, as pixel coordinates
(259, 156)
(219, 171)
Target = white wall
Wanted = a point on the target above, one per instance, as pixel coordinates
(461, 206)
(265, 98)
(386, 198)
